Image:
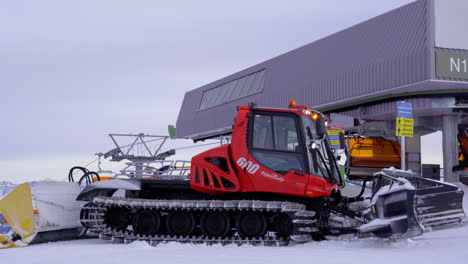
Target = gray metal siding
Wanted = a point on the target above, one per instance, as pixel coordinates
(370, 58)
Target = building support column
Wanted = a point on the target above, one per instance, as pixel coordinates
(413, 153)
(450, 146)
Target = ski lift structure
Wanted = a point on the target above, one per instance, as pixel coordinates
(145, 157)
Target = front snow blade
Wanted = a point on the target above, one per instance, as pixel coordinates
(57, 206)
(17, 209)
(45, 212)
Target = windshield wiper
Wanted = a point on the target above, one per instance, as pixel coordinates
(311, 138)
(324, 163)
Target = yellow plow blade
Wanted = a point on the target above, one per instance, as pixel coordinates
(17, 209)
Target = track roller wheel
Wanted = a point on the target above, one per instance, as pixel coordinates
(146, 222)
(251, 224)
(180, 223)
(283, 225)
(215, 224)
(118, 218)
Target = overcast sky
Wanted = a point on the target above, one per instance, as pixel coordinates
(73, 71)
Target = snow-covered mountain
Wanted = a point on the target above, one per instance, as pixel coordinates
(6, 187)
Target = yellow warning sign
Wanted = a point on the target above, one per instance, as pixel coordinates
(335, 132)
(334, 136)
(404, 127)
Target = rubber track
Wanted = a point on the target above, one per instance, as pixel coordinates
(92, 217)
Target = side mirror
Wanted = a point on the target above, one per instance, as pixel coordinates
(321, 128)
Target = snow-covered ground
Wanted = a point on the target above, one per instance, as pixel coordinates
(433, 247)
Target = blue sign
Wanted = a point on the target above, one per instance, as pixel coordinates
(405, 110)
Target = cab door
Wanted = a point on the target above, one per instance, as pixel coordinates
(277, 153)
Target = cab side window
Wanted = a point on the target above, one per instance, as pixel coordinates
(276, 144)
(263, 132)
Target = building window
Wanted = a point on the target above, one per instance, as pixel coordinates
(233, 90)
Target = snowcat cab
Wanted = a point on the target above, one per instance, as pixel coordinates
(272, 151)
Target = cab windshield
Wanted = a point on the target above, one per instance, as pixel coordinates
(276, 142)
(322, 161)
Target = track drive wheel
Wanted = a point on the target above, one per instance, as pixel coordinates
(251, 224)
(215, 224)
(146, 222)
(180, 223)
(118, 218)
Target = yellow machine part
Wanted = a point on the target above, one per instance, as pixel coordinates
(374, 152)
(463, 144)
(462, 148)
(18, 211)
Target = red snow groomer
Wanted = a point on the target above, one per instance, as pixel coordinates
(276, 182)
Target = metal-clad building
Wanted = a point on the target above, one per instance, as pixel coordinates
(418, 52)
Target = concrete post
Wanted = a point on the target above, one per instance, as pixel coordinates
(449, 146)
(413, 150)
(403, 153)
